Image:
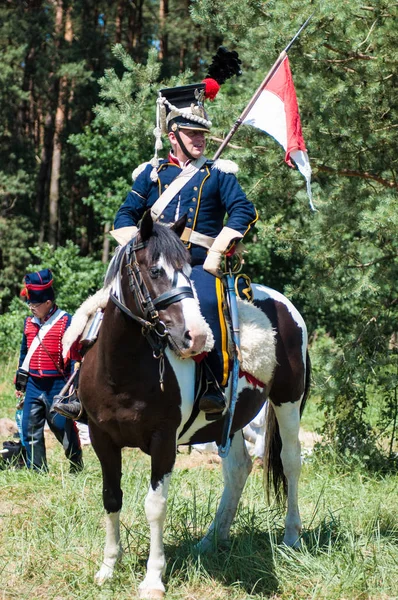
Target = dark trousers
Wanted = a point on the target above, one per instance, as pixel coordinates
(39, 395)
(211, 297)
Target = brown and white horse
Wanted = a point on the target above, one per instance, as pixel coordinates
(139, 391)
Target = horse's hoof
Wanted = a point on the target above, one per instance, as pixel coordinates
(205, 545)
(150, 594)
(293, 542)
(103, 575)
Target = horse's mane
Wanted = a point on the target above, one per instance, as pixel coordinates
(163, 242)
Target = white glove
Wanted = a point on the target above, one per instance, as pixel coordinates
(124, 234)
(213, 262)
(220, 245)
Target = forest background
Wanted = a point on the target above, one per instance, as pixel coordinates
(78, 84)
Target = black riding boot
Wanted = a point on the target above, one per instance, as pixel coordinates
(212, 401)
(68, 404)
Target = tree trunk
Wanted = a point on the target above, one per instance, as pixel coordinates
(60, 118)
(163, 15)
(119, 22)
(44, 172)
(106, 244)
(134, 29)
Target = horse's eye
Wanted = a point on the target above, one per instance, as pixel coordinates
(155, 272)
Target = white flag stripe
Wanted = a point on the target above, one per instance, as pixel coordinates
(268, 114)
(303, 164)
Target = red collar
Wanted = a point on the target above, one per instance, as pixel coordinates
(173, 159)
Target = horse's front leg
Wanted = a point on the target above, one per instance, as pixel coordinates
(236, 469)
(288, 417)
(163, 455)
(110, 457)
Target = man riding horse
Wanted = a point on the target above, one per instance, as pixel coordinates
(206, 191)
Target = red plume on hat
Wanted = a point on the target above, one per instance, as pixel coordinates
(225, 64)
(24, 293)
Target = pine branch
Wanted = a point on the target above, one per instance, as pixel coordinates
(360, 174)
(373, 262)
(348, 55)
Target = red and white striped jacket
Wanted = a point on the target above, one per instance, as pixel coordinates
(42, 363)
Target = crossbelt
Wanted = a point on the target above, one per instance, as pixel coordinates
(194, 237)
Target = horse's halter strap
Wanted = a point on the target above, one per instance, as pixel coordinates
(153, 328)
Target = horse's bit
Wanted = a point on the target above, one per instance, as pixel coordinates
(153, 328)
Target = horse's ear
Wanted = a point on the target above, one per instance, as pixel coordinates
(146, 226)
(179, 226)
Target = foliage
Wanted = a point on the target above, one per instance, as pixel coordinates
(11, 327)
(15, 237)
(359, 398)
(107, 145)
(75, 277)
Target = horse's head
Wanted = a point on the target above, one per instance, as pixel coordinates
(158, 269)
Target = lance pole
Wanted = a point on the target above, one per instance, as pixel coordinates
(257, 93)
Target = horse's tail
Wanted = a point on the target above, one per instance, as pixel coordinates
(273, 468)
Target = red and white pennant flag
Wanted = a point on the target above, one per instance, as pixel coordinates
(276, 112)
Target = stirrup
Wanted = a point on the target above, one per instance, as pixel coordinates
(68, 406)
(67, 403)
(212, 402)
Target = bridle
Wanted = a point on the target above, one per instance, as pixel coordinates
(152, 327)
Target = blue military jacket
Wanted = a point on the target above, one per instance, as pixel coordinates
(208, 197)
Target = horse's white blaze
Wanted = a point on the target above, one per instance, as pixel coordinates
(288, 416)
(201, 336)
(262, 292)
(112, 548)
(202, 339)
(236, 469)
(155, 510)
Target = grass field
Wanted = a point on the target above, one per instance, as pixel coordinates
(52, 533)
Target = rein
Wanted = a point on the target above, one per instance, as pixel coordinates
(152, 327)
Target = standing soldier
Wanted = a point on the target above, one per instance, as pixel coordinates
(41, 374)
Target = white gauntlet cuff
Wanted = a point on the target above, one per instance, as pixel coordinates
(124, 234)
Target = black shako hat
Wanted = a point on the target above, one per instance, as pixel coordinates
(182, 108)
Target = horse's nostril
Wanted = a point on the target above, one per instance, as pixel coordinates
(187, 335)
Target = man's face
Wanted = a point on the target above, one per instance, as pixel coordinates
(40, 310)
(193, 140)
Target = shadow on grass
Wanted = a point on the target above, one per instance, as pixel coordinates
(246, 560)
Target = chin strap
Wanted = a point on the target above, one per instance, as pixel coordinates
(182, 145)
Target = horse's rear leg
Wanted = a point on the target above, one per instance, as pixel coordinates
(110, 457)
(288, 417)
(163, 454)
(236, 469)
